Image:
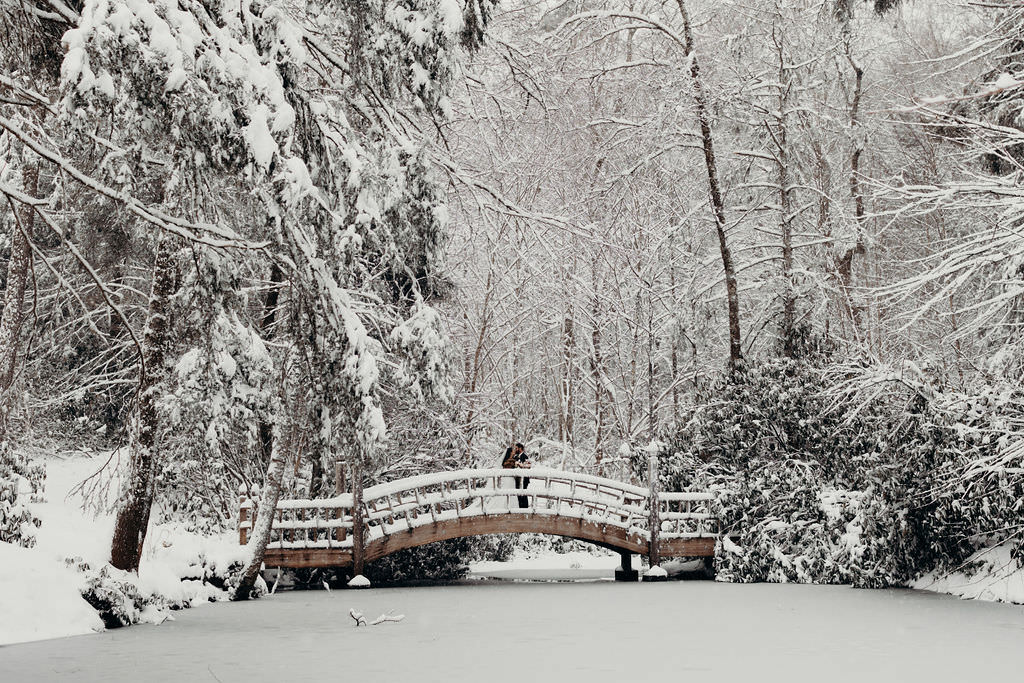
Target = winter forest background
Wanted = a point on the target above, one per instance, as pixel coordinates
(777, 242)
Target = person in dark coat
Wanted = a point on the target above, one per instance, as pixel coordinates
(515, 459)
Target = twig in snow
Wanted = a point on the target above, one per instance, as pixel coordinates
(276, 581)
(390, 616)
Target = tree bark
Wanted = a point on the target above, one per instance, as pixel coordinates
(785, 203)
(13, 314)
(717, 203)
(475, 372)
(844, 264)
(133, 516)
(566, 384)
(597, 371)
(265, 429)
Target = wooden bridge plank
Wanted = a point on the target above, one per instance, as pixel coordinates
(308, 557)
(612, 537)
(703, 546)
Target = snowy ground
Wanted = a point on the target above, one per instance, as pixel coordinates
(593, 632)
(993, 576)
(40, 596)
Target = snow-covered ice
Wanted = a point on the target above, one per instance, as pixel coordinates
(505, 631)
(572, 566)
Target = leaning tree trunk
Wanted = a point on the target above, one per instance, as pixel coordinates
(263, 522)
(13, 314)
(139, 489)
(717, 203)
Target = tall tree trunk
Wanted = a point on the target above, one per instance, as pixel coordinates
(844, 264)
(265, 429)
(567, 384)
(597, 371)
(475, 372)
(272, 482)
(785, 203)
(13, 314)
(139, 489)
(652, 420)
(717, 203)
(675, 331)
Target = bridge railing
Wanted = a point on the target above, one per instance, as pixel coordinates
(315, 523)
(686, 515)
(431, 498)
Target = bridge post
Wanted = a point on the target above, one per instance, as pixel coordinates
(339, 477)
(357, 517)
(625, 572)
(655, 505)
(339, 488)
(243, 516)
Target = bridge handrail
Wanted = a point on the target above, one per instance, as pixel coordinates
(693, 496)
(435, 478)
(344, 500)
(484, 493)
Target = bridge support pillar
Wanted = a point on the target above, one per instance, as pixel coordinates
(625, 572)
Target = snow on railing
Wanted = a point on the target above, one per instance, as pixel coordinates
(686, 514)
(405, 504)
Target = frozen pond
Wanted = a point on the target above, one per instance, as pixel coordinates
(603, 631)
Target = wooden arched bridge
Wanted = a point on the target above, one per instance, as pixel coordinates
(434, 507)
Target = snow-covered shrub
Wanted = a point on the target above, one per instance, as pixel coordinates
(114, 594)
(822, 480)
(123, 598)
(17, 521)
(788, 526)
(764, 412)
(909, 522)
(986, 480)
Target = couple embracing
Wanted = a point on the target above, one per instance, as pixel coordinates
(516, 459)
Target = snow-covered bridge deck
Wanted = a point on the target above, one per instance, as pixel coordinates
(434, 507)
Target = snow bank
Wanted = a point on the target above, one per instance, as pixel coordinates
(990, 575)
(41, 588)
(40, 598)
(179, 565)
